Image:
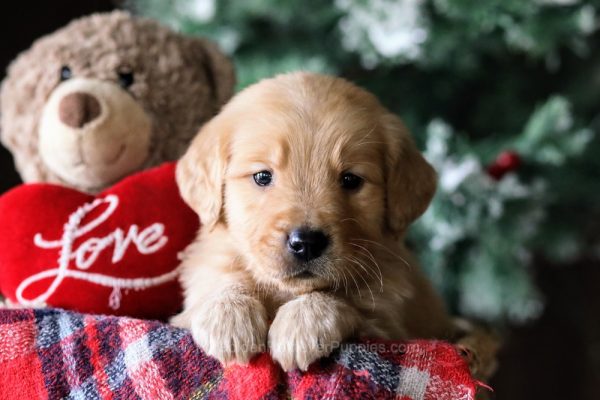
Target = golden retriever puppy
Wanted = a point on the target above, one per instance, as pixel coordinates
(305, 185)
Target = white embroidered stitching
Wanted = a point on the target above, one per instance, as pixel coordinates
(148, 241)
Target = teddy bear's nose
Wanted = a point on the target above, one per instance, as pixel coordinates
(77, 109)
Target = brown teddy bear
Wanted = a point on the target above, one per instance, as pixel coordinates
(108, 95)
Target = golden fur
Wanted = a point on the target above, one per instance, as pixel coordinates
(307, 129)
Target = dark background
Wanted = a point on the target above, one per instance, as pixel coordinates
(555, 357)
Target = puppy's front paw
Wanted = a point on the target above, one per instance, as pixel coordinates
(308, 328)
(231, 328)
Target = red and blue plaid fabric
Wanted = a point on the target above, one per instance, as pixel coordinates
(58, 354)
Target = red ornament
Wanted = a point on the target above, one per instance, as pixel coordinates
(506, 162)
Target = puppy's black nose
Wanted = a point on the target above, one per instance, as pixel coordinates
(306, 244)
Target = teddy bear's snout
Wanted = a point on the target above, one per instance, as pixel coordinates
(93, 132)
(78, 109)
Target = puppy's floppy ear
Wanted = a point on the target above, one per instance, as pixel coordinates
(201, 171)
(410, 179)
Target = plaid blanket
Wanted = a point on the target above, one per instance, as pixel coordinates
(59, 354)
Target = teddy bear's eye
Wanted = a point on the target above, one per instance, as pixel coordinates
(126, 79)
(65, 73)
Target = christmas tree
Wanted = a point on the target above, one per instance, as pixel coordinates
(502, 96)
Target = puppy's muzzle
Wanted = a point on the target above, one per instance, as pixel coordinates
(306, 244)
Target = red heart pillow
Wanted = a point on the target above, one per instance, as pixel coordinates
(114, 253)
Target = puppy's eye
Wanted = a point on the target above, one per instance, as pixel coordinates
(350, 181)
(126, 79)
(263, 178)
(65, 73)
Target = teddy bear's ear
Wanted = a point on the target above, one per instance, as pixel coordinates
(219, 69)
